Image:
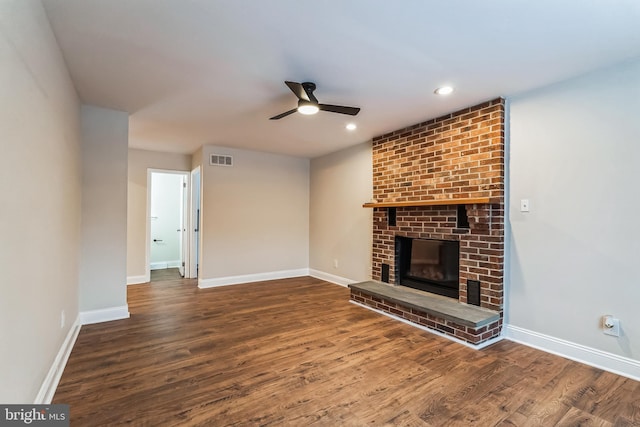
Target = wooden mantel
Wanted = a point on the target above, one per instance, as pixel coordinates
(438, 202)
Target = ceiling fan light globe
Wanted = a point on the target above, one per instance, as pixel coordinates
(308, 108)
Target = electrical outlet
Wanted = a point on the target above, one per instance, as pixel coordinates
(62, 319)
(611, 326)
(335, 263)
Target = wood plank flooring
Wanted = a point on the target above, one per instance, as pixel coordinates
(295, 352)
(165, 274)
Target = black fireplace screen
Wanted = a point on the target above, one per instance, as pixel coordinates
(429, 265)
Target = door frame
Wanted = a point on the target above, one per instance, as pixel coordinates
(186, 223)
(195, 230)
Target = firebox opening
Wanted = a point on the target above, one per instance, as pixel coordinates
(429, 265)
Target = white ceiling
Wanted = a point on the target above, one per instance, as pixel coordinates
(212, 72)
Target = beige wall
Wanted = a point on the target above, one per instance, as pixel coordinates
(340, 228)
(196, 158)
(255, 215)
(40, 206)
(139, 162)
(573, 258)
(104, 208)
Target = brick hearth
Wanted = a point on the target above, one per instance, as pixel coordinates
(466, 322)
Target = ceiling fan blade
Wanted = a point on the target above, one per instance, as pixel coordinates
(298, 90)
(352, 111)
(285, 114)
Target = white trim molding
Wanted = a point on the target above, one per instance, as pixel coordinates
(50, 383)
(161, 265)
(104, 315)
(135, 280)
(433, 331)
(342, 281)
(249, 278)
(619, 365)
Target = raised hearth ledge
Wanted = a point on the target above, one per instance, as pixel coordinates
(434, 202)
(436, 305)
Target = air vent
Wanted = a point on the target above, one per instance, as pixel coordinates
(220, 160)
(473, 292)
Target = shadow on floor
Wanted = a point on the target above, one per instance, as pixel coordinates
(165, 274)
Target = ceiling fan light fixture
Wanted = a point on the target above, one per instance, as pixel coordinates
(444, 90)
(307, 108)
(308, 104)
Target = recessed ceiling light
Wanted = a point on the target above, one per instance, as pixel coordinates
(351, 126)
(444, 90)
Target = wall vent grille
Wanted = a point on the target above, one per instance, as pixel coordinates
(220, 160)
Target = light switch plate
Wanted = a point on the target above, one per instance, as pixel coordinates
(524, 205)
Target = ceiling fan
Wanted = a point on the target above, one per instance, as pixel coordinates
(308, 103)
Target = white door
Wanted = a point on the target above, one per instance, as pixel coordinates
(195, 223)
(183, 235)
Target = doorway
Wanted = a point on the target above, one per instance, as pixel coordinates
(167, 224)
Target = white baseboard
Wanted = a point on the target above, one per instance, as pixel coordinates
(589, 356)
(50, 383)
(104, 315)
(433, 331)
(134, 280)
(165, 264)
(342, 281)
(248, 278)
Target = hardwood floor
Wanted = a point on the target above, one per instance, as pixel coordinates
(295, 352)
(165, 274)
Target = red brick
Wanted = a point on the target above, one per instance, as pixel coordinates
(456, 155)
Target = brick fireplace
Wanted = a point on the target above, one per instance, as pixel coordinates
(425, 177)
